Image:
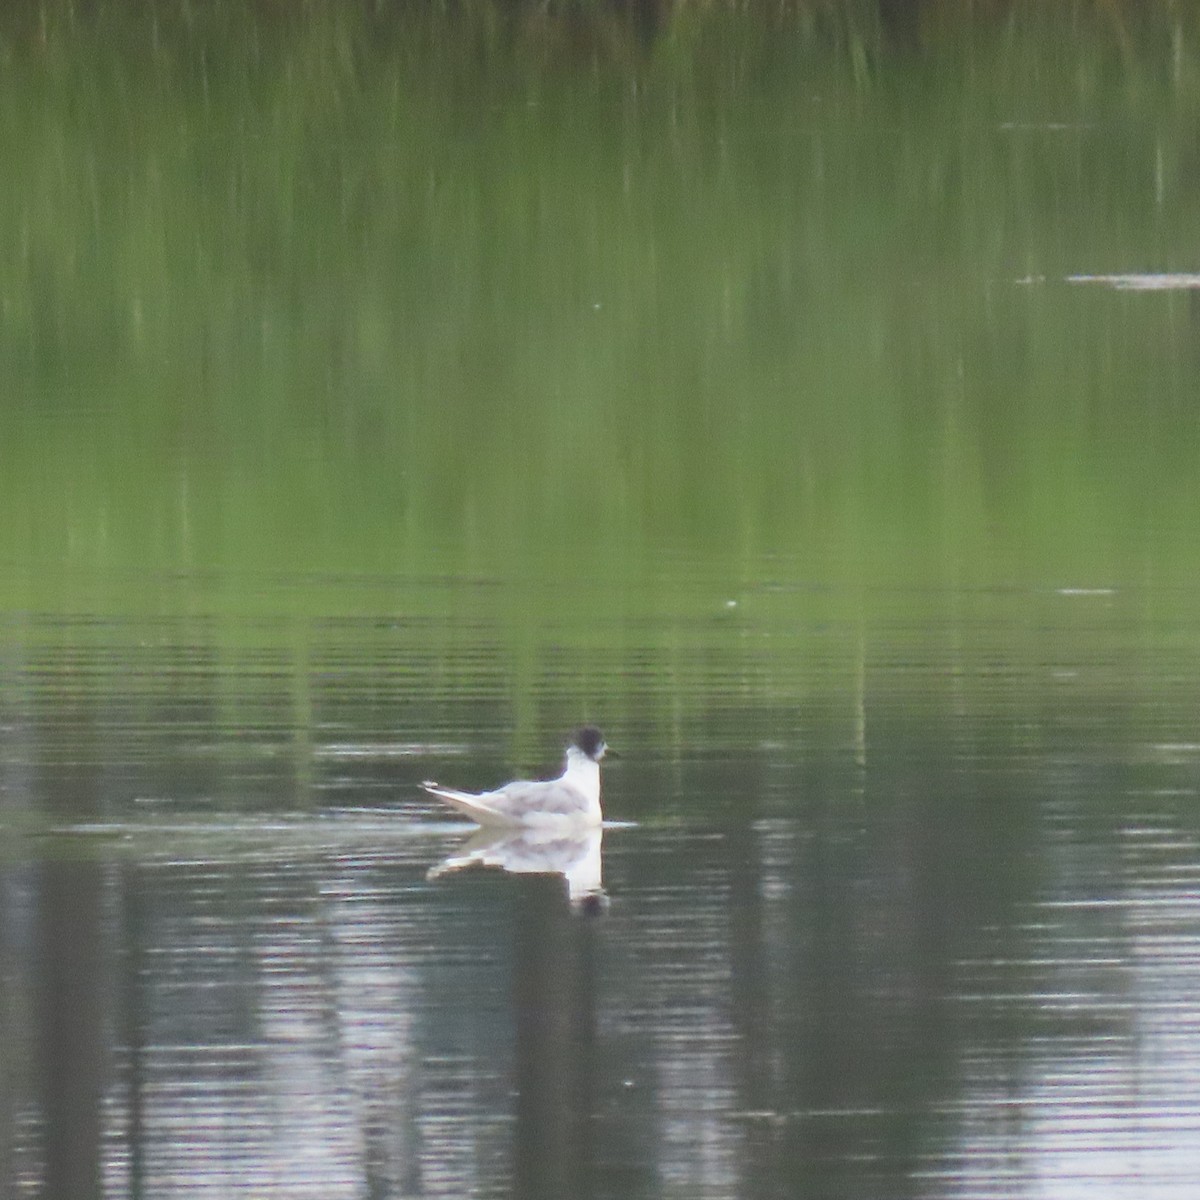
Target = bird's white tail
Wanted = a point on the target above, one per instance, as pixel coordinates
(473, 806)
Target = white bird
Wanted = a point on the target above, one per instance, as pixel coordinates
(573, 797)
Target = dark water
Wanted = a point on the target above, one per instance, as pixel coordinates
(932, 947)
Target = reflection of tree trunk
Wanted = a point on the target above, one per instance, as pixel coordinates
(645, 16)
(751, 997)
(71, 1018)
(556, 1024)
(132, 1033)
(901, 23)
(14, 1051)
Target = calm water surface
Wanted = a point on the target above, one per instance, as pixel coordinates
(911, 948)
(808, 398)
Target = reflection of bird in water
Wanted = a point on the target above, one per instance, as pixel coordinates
(572, 852)
(572, 798)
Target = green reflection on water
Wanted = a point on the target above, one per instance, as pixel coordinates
(362, 303)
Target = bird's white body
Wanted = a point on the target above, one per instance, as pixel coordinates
(572, 798)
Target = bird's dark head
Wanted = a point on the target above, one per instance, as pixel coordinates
(590, 741)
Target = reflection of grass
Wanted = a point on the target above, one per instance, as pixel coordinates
(318, 299)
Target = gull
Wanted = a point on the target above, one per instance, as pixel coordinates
(574, 797)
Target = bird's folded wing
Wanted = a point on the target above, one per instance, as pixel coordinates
(551, 798)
